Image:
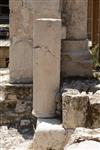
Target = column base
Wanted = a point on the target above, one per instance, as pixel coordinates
(50, 134)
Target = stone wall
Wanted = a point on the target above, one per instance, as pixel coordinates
(76, 60)
(21, 35)
(15, 102)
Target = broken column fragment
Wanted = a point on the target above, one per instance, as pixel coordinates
(46, 64)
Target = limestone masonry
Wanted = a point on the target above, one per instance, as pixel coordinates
(49, 99)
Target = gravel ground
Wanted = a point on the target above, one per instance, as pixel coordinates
(12, 139)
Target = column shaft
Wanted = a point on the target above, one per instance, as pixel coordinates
(46, 64)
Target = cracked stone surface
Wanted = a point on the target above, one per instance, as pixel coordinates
(46, 57)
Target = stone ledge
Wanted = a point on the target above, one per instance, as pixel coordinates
(50, 134)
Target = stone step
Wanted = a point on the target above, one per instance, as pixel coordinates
(81, 103)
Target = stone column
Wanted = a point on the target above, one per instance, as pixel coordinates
(21, 35)
(76, 60)
(46, 64)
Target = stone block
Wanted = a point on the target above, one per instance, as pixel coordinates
(76, 59)
(95, 110)
(46, 75)
(75, 19)
(75, 46)
(21, 35)
(74, 110)
(81, 69)
(21, 62)
(47, 9)
(50, 135)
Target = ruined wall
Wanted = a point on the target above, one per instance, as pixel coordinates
(21, 35)
(15, 103)
(76, 60)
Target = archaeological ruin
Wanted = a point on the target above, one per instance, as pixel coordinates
(50, 74)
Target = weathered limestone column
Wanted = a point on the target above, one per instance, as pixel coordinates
(21, 34)
(46, 64)
(76, 60)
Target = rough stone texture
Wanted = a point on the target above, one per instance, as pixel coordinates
(83, 139)
(59, 105)
(28, 145)
(15, 103)
(15, 100)
(95, 110)
(73, 92)
(12, 139)
(21, 35)
(50, 135)
(74, 109)
(46, 64)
